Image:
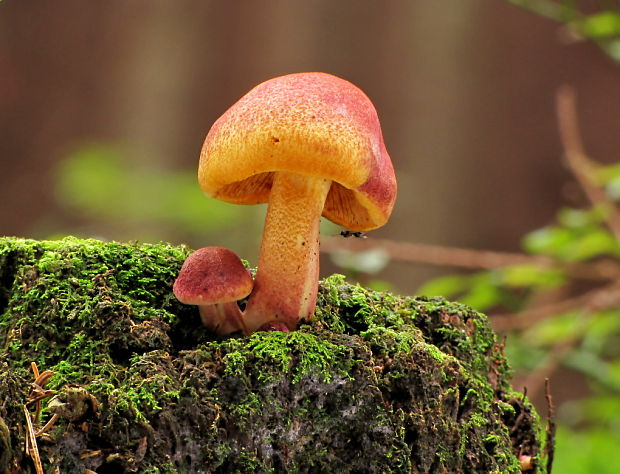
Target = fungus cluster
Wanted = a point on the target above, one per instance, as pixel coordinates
(309, 145)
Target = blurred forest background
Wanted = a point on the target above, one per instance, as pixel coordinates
(104, 107)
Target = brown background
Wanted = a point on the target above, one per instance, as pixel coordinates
(465, 91)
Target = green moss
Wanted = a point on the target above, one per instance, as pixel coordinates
(375, 383)
(144, 390)
(293, 355)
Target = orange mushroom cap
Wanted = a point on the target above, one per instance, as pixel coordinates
(212, 275)
(310, 144)
(313, 124)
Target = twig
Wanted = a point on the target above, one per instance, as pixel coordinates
(433, 254)
(38, 393)
(550, 445)
(35, 396)
(42, 378)
(578, 161)
(582, 167)
(90, 454)
(35, 369)
(47, 425)
(594, 300)
(31, 443)
(469, 258)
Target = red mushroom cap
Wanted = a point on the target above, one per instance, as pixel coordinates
(314, 124)
(212, 275)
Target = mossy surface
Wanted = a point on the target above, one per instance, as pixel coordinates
(375, 383)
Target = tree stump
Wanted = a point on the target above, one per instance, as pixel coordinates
(375, 383)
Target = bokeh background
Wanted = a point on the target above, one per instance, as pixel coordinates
(104, 107)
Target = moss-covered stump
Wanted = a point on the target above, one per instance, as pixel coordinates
(376, 383)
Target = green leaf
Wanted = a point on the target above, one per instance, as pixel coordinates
(603, 409)
(587, 451)
(600, 25)
(523, 356)
(596, 242)
(571, 245)
(603, 328)
(380, 285)
(604, 174)
(483, 293)
(581, 218)
(446, 286)
(547, 241)
(614, 373)
(612, 48)
(602, 372)
(560, 328)
(612, 188)
(531, 275)
(97, 181)
(89, 177)
(480, 291)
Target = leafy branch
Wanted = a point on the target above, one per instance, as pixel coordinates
(601, 26)
(566, 284)
(559, 299)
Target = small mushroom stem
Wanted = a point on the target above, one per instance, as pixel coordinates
(286, 281)
(223, 318)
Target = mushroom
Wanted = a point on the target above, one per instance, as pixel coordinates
(214, 279)
(309, 144)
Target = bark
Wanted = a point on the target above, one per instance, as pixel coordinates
(375, 383)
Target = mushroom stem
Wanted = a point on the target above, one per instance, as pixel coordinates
(223, 318)
(286, 281)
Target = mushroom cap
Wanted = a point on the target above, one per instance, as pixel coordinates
(314, 124)
(212, 275)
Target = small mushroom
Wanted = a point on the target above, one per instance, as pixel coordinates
(309, 144)
(215, 279)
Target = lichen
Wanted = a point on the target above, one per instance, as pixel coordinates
(374, 383)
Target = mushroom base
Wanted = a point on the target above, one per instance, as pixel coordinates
(222, 318)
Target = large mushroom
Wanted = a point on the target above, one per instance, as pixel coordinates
(309, 144)
(213, 278)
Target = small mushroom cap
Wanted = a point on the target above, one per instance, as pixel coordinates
(212, 275)
(314, 124)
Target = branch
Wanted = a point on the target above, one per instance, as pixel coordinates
(32, 449)
(578, 161)
(469, 258)
(595, 300)
(551, 427)
(559, 12)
